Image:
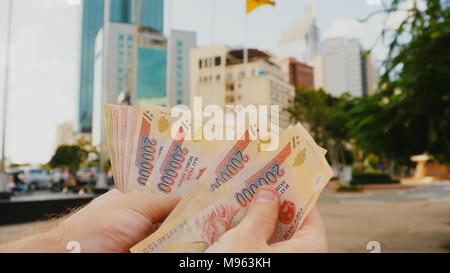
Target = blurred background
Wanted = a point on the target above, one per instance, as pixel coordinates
(369, 79)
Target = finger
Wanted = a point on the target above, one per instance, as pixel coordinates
(311, 237)
(313, 224)
(262, 215)
(153, 207)
(110, 194)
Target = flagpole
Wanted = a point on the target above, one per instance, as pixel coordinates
(245, 55)
(170, 92)
(3, 175)
(212, 60)
(101, 184)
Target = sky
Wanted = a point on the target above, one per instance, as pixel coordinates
(45, 53)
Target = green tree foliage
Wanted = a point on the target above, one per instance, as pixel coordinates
(410, 113)
(68, 157)
(326, 117)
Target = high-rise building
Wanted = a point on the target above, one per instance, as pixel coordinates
(296, 73)
(218, 75)
(121, 11)
(301, 41)
(345, 67)
(319, 72)
(64, 134)
(92, 21)
(141, 76)
(179, 46)
(371, 75)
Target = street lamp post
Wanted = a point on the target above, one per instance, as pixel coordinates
(4, 193)
(101, 185)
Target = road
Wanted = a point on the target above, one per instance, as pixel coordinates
(403, 220)
(438, 192)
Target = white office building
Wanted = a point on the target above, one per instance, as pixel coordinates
(302, 40)
(178, 73)
(344, 67)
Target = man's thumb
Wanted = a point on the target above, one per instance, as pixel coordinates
(262, 215)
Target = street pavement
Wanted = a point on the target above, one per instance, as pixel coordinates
(436, 192)
(397, 220)
(48, 195)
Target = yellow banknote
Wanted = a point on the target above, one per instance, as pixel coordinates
(132, 113)
(297, 170)
(183, 161)
(153, 130)
(244, 154)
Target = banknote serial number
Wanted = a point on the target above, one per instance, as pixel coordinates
(174, 164)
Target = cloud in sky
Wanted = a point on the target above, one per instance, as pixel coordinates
(43, 76)
(353, 29)
(368, 32)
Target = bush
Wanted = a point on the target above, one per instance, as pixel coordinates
(365, 177)
(349, 188)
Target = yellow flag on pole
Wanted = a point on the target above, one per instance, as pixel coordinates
(253, 4)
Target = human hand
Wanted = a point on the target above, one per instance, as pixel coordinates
(113, 222)
(257, 227)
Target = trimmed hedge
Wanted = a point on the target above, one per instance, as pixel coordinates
(364, 178)
(352, 188)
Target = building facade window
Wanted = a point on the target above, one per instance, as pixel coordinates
(229, 87)
(217, 61)
(229, 99)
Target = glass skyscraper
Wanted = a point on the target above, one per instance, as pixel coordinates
(151, 74)
(121, 11)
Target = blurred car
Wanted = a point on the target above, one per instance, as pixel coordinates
(87, 175)
(58, 182)
(32, 178)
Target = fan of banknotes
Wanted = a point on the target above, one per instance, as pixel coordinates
(217, 179)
